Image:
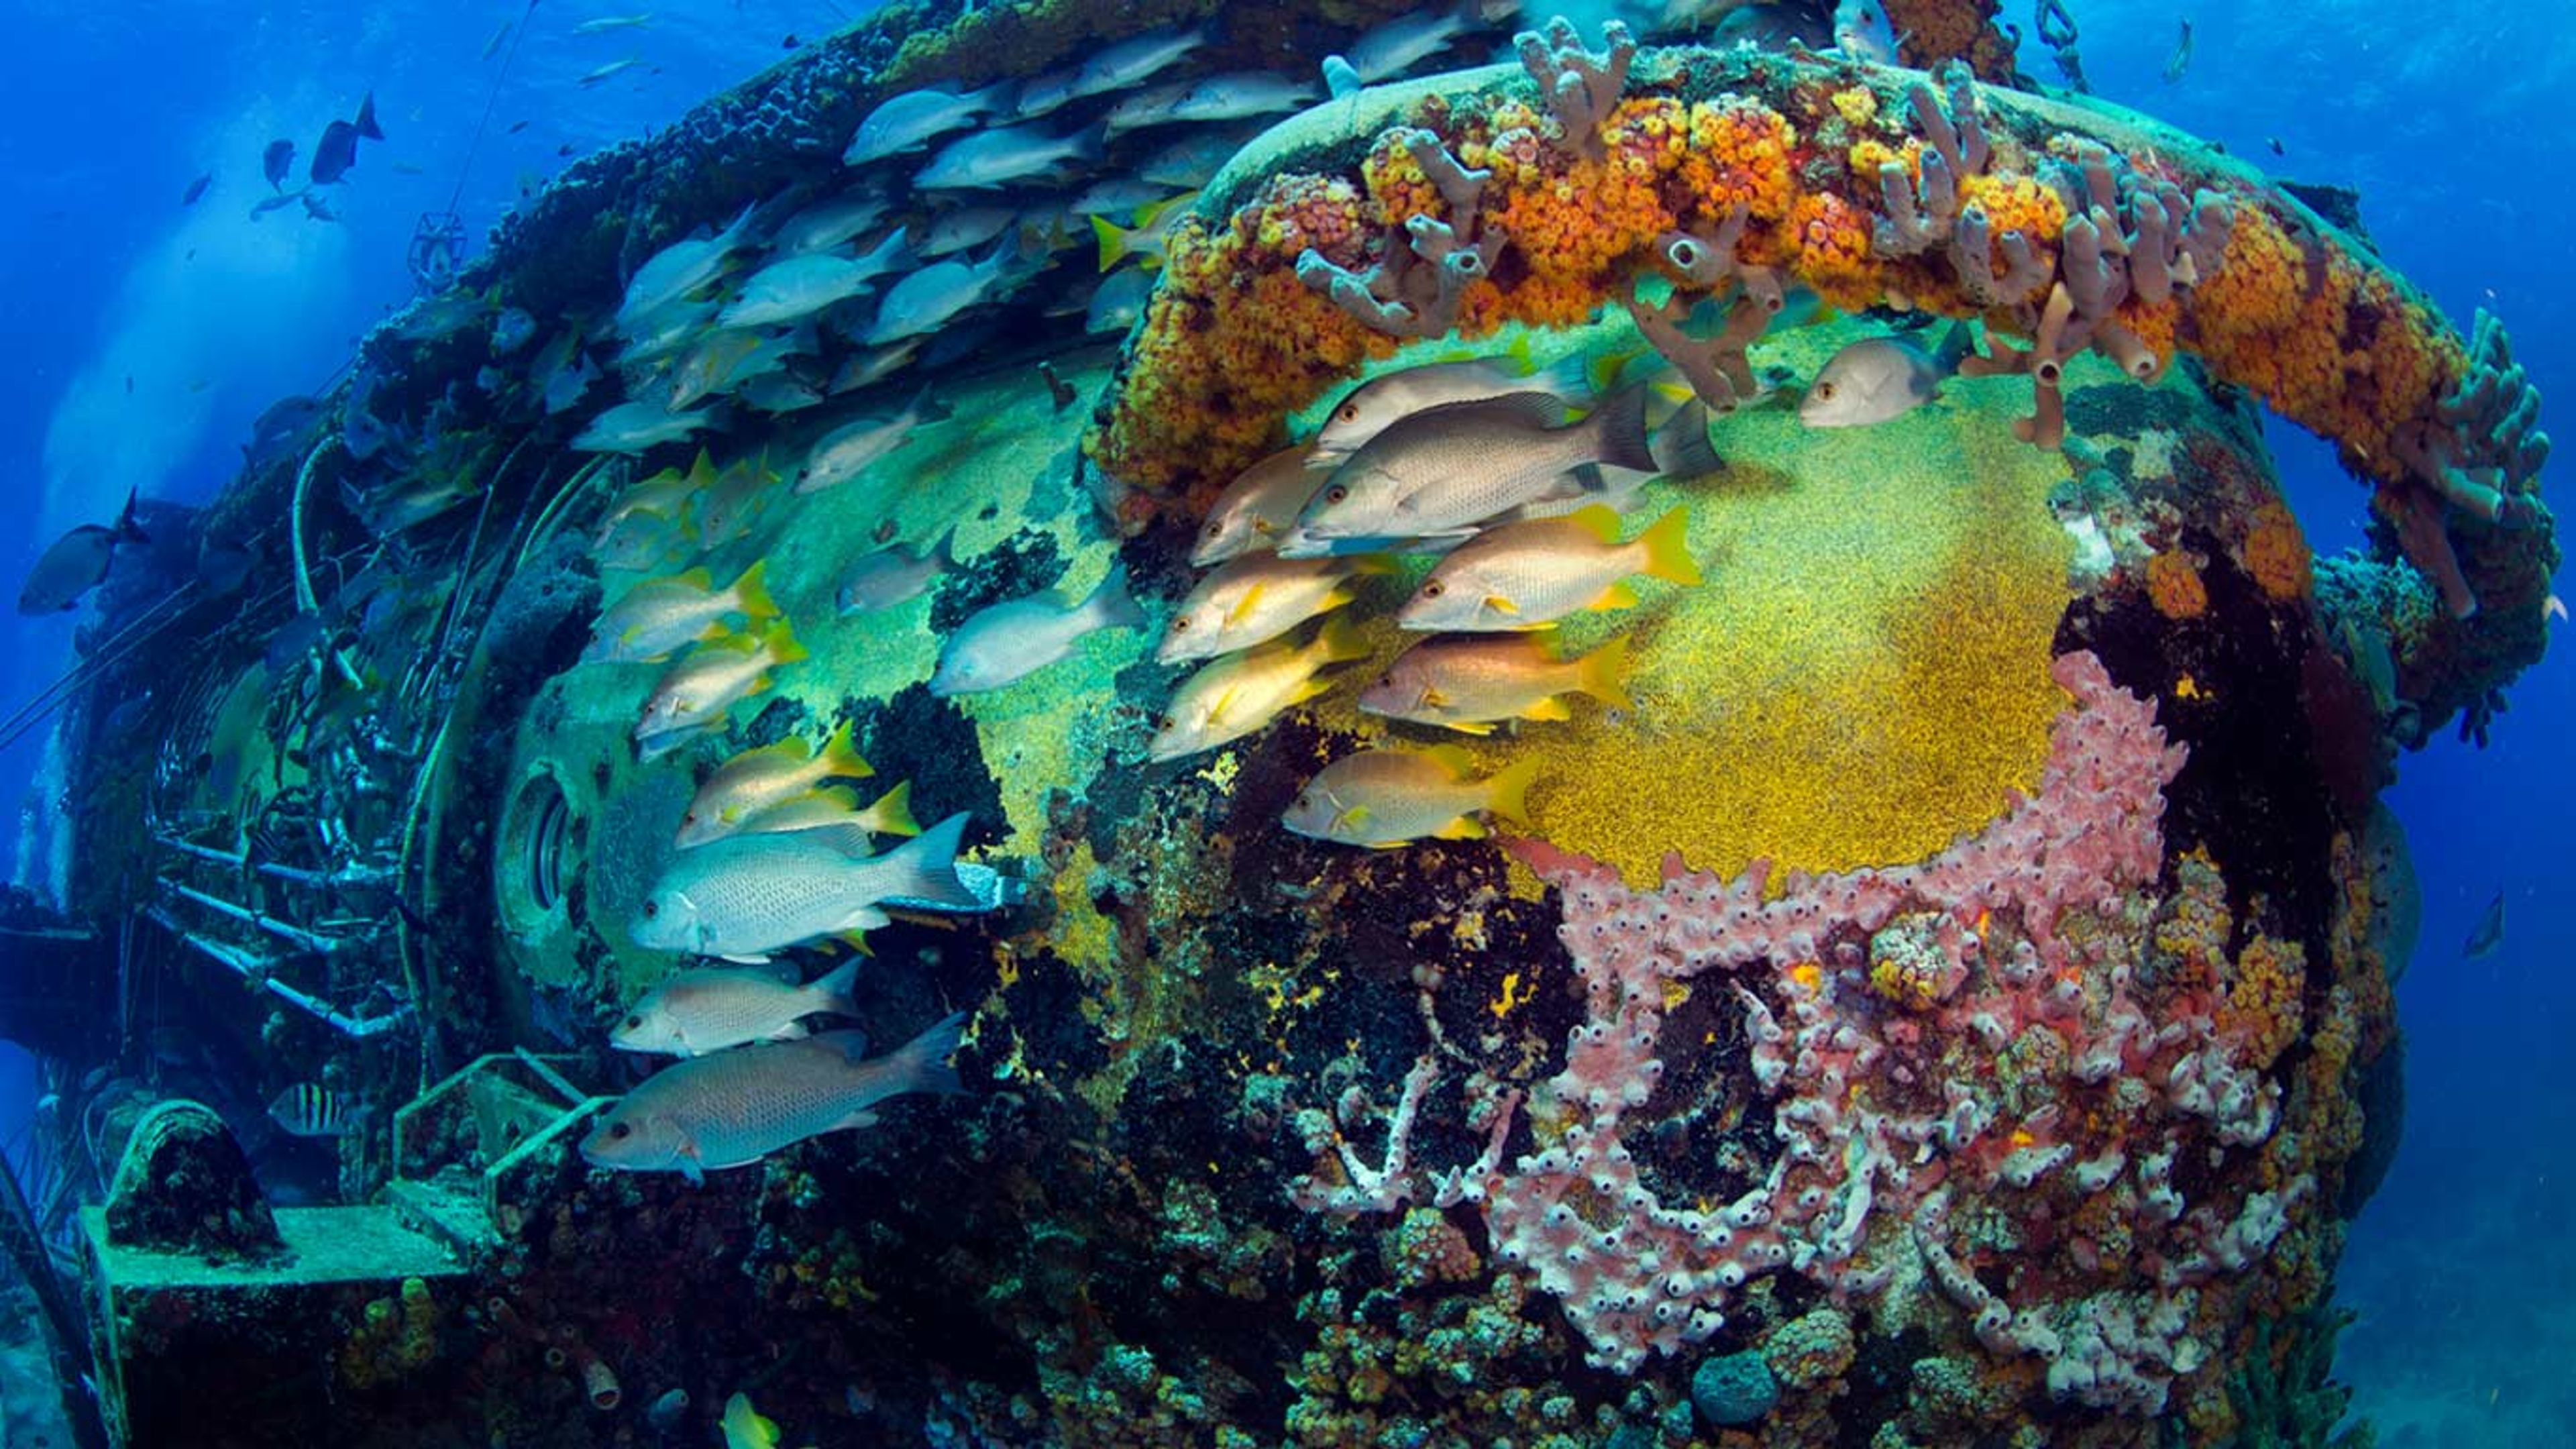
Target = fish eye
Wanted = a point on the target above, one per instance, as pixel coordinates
(1305, 798)
(634, 1022)
(1215, 527)
(1825, 390)
(1165, 722)
(620, 1131)
(1434, 589)
(652, 909)
(1180, 622)
(1336, 493)
(1348, 412)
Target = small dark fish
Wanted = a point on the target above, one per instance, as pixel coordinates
(2275, 143)
(129, 384)
(317, 208)
(275, 161)
(338, 149)
(308, 1110)
(76, 563)
(564, 150)
(517, 126)
(278, 202)
(1057, 388)
(790, 42)
(196, 188)
(2181, 60)
(2488, 934)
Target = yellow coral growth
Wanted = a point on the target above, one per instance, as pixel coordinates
(2263, 1010)
(2277, 553)
(2174, 584)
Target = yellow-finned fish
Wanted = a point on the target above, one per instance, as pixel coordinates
(709, 1008)
(658, 616)
(730, 503)
(666, 494)
(1469, 683)
(1147, 239)
(757, 780)
(1240, 693)
(1529, 575)
(889, 814)
(697, 691)
(1257, 598)
(1386, 797)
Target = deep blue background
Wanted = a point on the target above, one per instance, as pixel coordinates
(2450, 123)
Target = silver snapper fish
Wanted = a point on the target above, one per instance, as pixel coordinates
(1370, 408)
(999, 157)
(1403, 43)
(76, 563)
(824, 225)
(808, 282)
(1240, 96)
(636, 427)
(1261, 504)
(1878, 378)
(915, 119)
(710, 1008)
(846, 452)
(894, 575)
(1134, 60)
(747, 897)
(679, 269)
(1118, 301)
(1003, 643)
(929, 297)
(966, 227)
(737, 1107)
(1440, 474)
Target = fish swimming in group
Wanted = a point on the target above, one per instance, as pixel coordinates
(704, 685)
(916, 118)
(1260, 505)
(607, 23)
(311, 1110)
(747, 897)
(846, 452)
(1370, 408)
(1440, 474)
(729, 505)
(1387, 797)
(1878, 378)
(679, 269)
(1133, 61)
(1194, 159)
(1258, 597)
(1003, 643)
(1531, 574)
(337, 151)
(808, 282)
(709, 1008)
(1148, 241)
(888, 814)
(77, 562)
(965, 227)
(1401, 44)
(196, 189)
(736, 1107)
(636, 427)
(610, 71)
(1472, 683)
(826, 224)
(275, 161)
(659, 616)
(762, 779)
(2488, 933)
(1118, 301)
(894, 574)
(930, 296)
(1236, 695)
(1003, 155)
(1240, 96)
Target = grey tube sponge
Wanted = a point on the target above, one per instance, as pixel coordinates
(1461, 185)
(1424, 269)
(1581, 86)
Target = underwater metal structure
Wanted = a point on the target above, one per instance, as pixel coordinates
(1948, 1001)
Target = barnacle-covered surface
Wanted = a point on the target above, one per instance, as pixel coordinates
(1951, 1005)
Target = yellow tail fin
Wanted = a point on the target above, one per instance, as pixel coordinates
(1667, 546)
(1507, 794)
(780, 641)
(840, 758)
(1113, 242)
(751, 593)
(1603, 674)
(1338, 642)
(892, 812)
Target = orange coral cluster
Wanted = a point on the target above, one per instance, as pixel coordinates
(2175, 587)
(2276, 554)
(2263, 1009)
(1932, 31)
(2331, 341)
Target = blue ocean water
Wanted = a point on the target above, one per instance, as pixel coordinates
(146, 335)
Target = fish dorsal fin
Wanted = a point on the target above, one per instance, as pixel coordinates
(846, 836)
(1453, 758)
(789, 751)
(850, 1044)
(1598, 519)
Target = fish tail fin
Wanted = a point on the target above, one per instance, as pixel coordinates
(1518, 355)
(1111, 605)
(946, 549)
(1507, 794)
(1113, 242)
(1667, 546)
(892, 812)
(831, 993)
(127, 530)
(1339, 642)
(930, 409)
(840, 758)
(1620, 430)
(1603, 673)
(1686, 451)
(1957, 345)
(780, 640)
(751, 592)
(921, 1064)
(366, 121)
(924, 868)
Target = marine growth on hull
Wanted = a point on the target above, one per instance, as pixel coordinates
(1040, 737)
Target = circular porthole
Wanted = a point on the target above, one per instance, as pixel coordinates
(534, 863)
